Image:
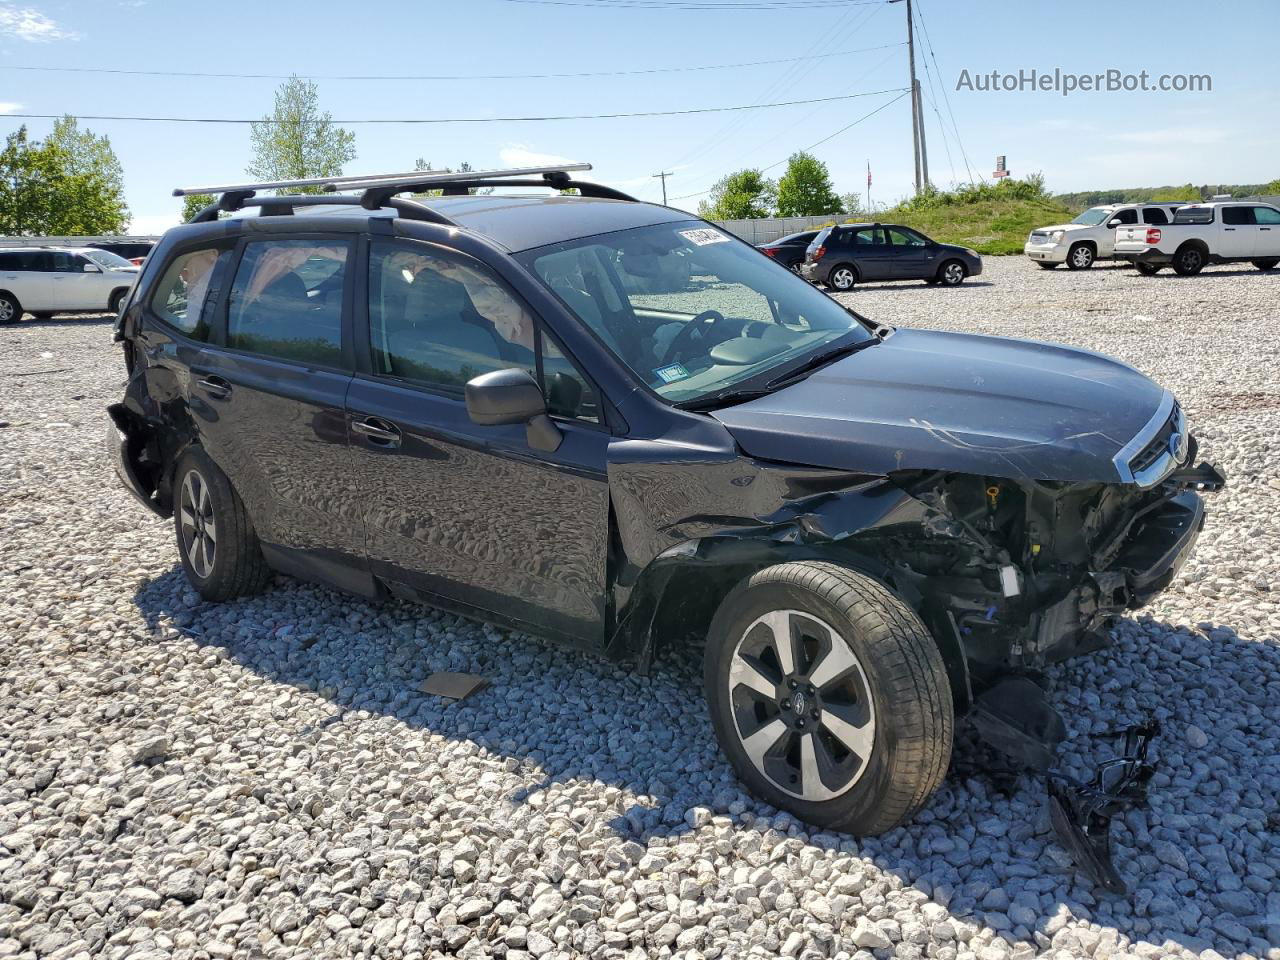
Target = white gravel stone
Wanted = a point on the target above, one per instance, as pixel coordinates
(263, 778)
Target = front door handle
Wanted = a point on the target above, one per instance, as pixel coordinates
(216, 387)
(384, 433)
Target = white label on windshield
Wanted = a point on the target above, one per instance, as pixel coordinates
(703, 237)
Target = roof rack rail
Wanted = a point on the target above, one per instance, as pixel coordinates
(285, 206)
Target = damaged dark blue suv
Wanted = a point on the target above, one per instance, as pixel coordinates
(608, 422)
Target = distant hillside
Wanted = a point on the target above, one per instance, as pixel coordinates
(1190, 192)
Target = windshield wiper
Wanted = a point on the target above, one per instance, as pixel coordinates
(724, 398)
(818, 361)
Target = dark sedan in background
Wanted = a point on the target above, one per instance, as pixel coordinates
(852, 253)
(789, 250)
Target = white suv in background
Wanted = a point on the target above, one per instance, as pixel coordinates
(1091, 236)
(48, 280)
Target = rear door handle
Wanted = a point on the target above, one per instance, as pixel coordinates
(384, 433)
(215, 386)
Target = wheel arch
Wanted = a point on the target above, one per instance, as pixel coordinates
(678, 594)
(1195, 242)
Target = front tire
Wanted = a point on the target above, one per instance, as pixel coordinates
(1267, 263)
(219, 549)
(10, 308)
(1080, 257)
(113, 305)
(842, 278)
(1188, 261)
(829, 696)
(1148, 269)
(952, 273)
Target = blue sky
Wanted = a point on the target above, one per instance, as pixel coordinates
(1083, 141)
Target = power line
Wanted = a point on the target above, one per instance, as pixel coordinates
(946, 99)
(436, 120)
(440, 77)
(734, 6)
(901, 93)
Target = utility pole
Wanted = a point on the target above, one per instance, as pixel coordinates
(917, 113)
(663, 178)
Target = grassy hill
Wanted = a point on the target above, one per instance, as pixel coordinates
(997, 225)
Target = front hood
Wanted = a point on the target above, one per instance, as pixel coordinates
(1069, 227)
(926, 400)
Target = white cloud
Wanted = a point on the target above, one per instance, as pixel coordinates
(30, 25)
(145, 225)
(7, 107)
(1173, 136)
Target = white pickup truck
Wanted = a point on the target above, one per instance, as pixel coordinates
(1205, 233)
(1091, 236)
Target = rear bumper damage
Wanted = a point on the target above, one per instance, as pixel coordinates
(129, 446)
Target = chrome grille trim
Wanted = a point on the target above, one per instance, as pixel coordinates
(1139, 464)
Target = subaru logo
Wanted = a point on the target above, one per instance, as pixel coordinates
(1178, 446)
(797, 703)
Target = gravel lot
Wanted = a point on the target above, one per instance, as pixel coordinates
(263, 778)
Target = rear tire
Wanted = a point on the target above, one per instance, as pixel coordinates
(1188, 261)
(216, 541)
(1148, 269)
(842, 278)
(952, 273)
(1267, 263)
(1080, 257)
(10, 308)
(829, 696)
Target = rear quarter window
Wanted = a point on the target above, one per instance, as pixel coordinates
(179, 297)
(1194, 215)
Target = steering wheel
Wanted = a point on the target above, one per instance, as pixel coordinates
(685, 336)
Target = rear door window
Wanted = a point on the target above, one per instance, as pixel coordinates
(1237, 216)
(286, 300)
(1154, 215)
(180, 296)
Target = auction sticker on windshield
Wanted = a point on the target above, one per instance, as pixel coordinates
(704, 236)
(671, 372)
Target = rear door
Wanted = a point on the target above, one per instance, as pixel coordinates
(269, 399)
(868, 248)
(25, 274)
(1239, 232)
(469, 513)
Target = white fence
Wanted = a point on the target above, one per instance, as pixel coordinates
(771, 228)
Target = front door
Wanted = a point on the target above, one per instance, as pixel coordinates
(1268, 225)
(269, 399)
(469, 513)
(909, 253)
(69, 281)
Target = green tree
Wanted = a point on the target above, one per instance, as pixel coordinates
(805, 190)
(1272, 189)
(1189, 193)
(193, 203)
(298, 141)
(69, 184)
(744, 195)
(852, 204)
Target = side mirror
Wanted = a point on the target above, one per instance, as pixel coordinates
(512, 396)
(1113, 223)
(91, 268)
